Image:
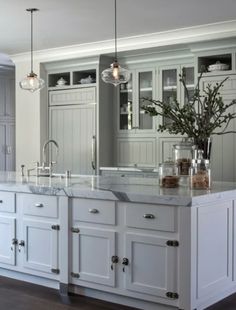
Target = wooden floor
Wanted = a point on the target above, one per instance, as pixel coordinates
(17, 295)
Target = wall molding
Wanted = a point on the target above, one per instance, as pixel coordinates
(189, 35)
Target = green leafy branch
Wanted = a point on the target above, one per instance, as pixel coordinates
(199, 117)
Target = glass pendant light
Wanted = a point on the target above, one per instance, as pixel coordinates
(115, 74)
(32, 82)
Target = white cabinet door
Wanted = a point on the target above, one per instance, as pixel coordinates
(40, 246)
(73, 127)
(7, 240)
(91, 257)
(152, 265)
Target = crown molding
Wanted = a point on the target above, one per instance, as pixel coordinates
(194, 34)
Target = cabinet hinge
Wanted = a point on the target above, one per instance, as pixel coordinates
(74, 275)
(172, 295)
(57, 271)
(75, 230)
(172, 243)
(55, 227)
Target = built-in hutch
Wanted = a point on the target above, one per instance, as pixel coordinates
(98, 125)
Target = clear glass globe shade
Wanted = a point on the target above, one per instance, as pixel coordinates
(32, 83)
(115, 74)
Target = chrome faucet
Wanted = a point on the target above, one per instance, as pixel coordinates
(44, 169)
(44, 151)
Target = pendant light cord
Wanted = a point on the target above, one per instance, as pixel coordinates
(31, 41)
(115, 34)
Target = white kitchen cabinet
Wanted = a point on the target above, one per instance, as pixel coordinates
(8, 243)
(130, 250)
(39, 246)
(30, 226)
(93, 250)
(93, 247)
(131, 116)
(170, 87)
(152, 264)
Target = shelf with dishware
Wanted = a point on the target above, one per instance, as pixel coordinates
(71, 79)
(215, 64)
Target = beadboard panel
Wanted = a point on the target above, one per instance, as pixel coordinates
(73, 96)
(73, 128)
(136, 151)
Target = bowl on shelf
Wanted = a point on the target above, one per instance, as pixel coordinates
(218, 66)
(87, 80)
(61, 82)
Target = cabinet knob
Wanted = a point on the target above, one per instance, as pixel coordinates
(149, 216)
(93, 211)
(1, 201)
(13, 243)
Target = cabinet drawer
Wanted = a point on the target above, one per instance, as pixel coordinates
(150, 217)
(38, 205)
(93, 211)
(7, 202)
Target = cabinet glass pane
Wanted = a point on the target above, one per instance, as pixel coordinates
(169, 89)
(189, 77)
(145, 91)
(126, 105)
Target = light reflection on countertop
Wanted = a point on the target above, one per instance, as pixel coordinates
(132, 189)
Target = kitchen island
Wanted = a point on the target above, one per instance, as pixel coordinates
(120, 239)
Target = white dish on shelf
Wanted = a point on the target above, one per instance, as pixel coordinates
(61, 82)
(218, 66)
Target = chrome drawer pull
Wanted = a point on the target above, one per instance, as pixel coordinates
(149, 216)
(39, 205)
(93, 211)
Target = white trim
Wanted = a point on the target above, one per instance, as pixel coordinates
(219, 30)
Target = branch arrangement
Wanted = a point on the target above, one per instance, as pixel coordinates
(203, 115)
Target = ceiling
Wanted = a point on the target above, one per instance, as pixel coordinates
(68, 22)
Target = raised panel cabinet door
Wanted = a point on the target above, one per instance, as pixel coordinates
(152, 265)
(39, 246)
(92, 251)
(7, 240)
(73, 127)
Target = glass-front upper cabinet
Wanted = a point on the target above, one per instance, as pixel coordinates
(170, 87)
(126, 105)
(145, 86)
(131, 99)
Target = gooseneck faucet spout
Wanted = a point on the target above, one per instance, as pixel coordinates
(44, 151)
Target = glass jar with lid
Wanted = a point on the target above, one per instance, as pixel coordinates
(200, 173)
(182, 154)
(168, 174)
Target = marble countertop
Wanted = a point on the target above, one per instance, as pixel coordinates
(144, 190)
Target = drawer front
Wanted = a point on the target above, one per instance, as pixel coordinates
(7, 202)
(150, 217)
(38, 205)
(93, 211)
